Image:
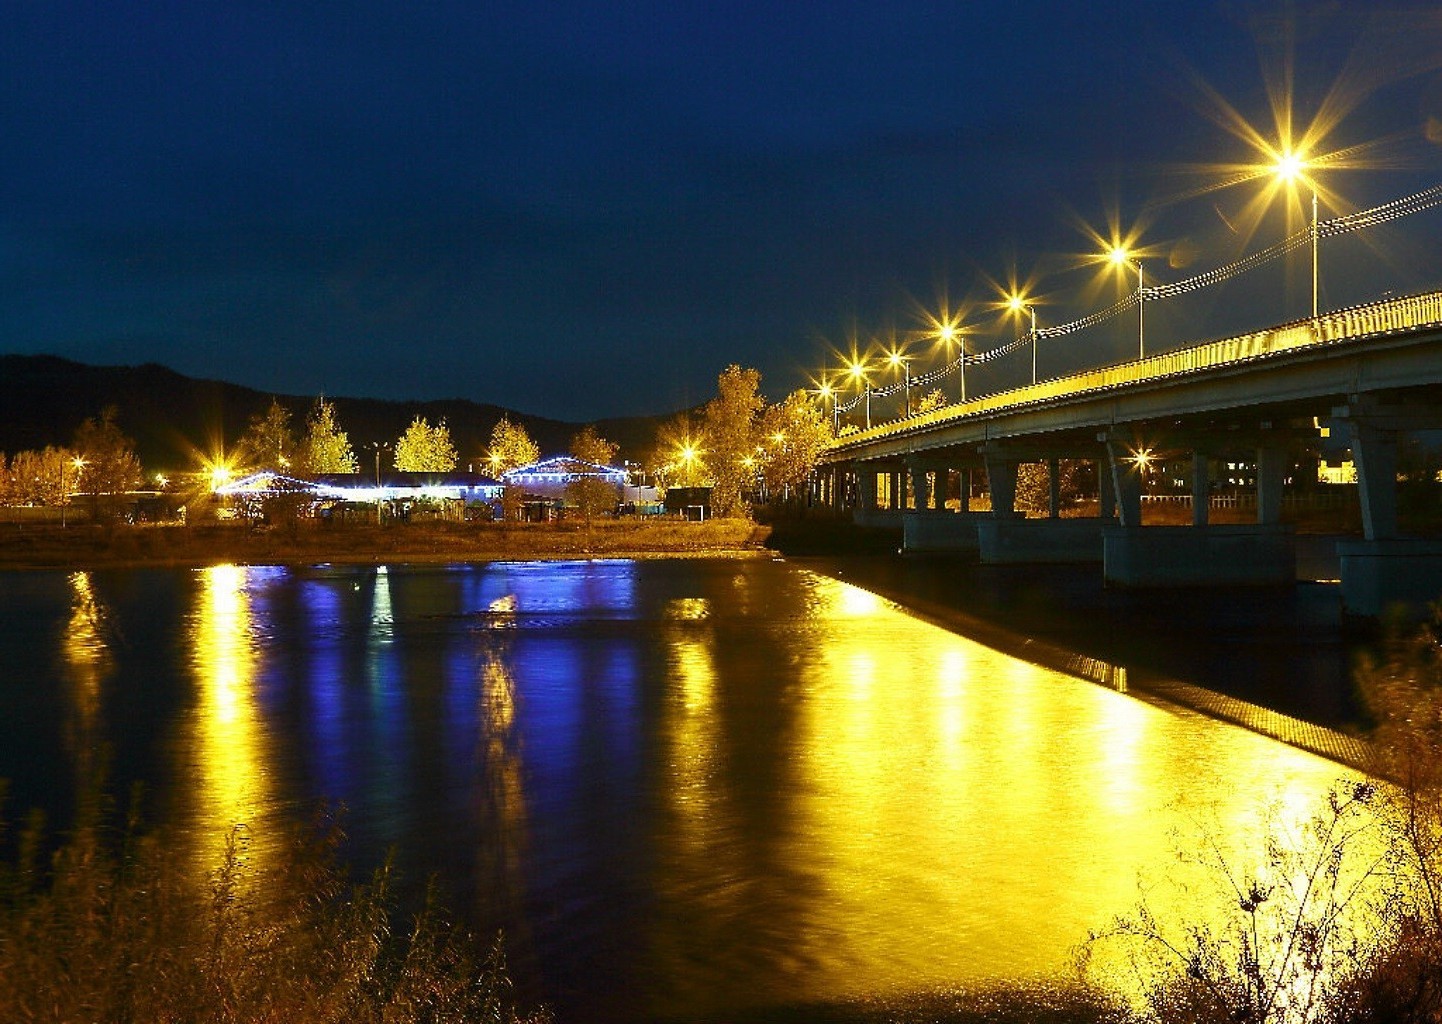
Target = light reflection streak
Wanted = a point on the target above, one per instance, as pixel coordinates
(87, 662)
(1040, 797)
(228, 748)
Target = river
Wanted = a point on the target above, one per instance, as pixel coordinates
(681, 787)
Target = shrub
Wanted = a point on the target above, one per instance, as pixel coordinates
(118, 928)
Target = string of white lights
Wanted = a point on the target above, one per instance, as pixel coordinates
(1406, 206)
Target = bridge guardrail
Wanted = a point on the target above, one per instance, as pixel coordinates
(1350, 324)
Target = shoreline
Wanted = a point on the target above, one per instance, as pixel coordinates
(49, 548)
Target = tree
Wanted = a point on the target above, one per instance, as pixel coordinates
(326, 449)
(794, 433)
(269, 442)
(730, 427)
(45, 477)
(109, 465)
(511, 447)
(592, 494)
(425, 449)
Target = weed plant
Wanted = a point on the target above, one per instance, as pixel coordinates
(115, 926)
(1339, 922)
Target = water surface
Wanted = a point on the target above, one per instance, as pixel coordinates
(681, 787)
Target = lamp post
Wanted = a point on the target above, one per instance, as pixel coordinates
(898, 362)
(858, 373)
(1291, 168)
(1120, 257)
(1016, 304)
(947, 333)
(379, 447)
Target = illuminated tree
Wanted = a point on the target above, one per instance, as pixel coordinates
(269, 442)
(511, 447)
(44, 477)
(929, 402)
(730, 421)
(591, 494)
(109, 466)
(425, 449)
(326, 448)
(794, 433)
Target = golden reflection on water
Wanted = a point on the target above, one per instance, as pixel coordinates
(227, 747)
(958, 815)
(87, 662)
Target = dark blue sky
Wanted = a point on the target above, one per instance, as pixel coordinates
(589, 209)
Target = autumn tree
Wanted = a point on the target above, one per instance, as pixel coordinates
(326, 448)
(108, 464)
(425, 449)
(730, 422)
(588, 493)
(511, 447)
(794, 433)
(45, 477)
(269, 442)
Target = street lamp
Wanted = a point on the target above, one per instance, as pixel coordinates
(826, 391)
(898, 361)
(1017, 303)
(1291, 168)
(858, 374)
(1120, 257)
(379, 447)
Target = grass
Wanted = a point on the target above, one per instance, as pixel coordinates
(114, 925)
(310, 541)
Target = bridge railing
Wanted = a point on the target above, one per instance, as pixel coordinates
(1371, 319)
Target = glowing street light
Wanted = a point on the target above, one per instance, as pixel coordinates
(896, 359)
(1121, 257)
(826, 391)
(1016, 303)
(1290, 169)
(857, 371)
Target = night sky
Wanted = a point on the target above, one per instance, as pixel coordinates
(588, 209)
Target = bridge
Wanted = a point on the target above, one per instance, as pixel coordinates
(1360, 380)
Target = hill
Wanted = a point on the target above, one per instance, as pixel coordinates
(176, 420)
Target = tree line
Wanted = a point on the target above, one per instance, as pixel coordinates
(743, 448)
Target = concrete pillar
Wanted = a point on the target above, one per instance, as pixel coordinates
(1271, 472)
(1001, 481)
(963, 490)
(866, 487)
(1106, 492)
(1374, 452)
(1126, 483)
(921, 486)
(1053, 498)
(1201, 488)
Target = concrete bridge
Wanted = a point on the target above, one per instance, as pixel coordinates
(1361, 380)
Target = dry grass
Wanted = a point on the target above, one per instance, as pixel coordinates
(311, 541)
(115, 927)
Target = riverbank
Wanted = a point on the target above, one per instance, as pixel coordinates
(29, 546)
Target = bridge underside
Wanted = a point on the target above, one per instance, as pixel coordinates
(1255, 431)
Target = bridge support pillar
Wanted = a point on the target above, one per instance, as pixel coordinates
(939, 531)
(1007, 538)
(1126, 480)
(921, 484)
(1191, 556)
(1383, 579)
(1201, 488)
(1271, 473)
(1000, 480)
